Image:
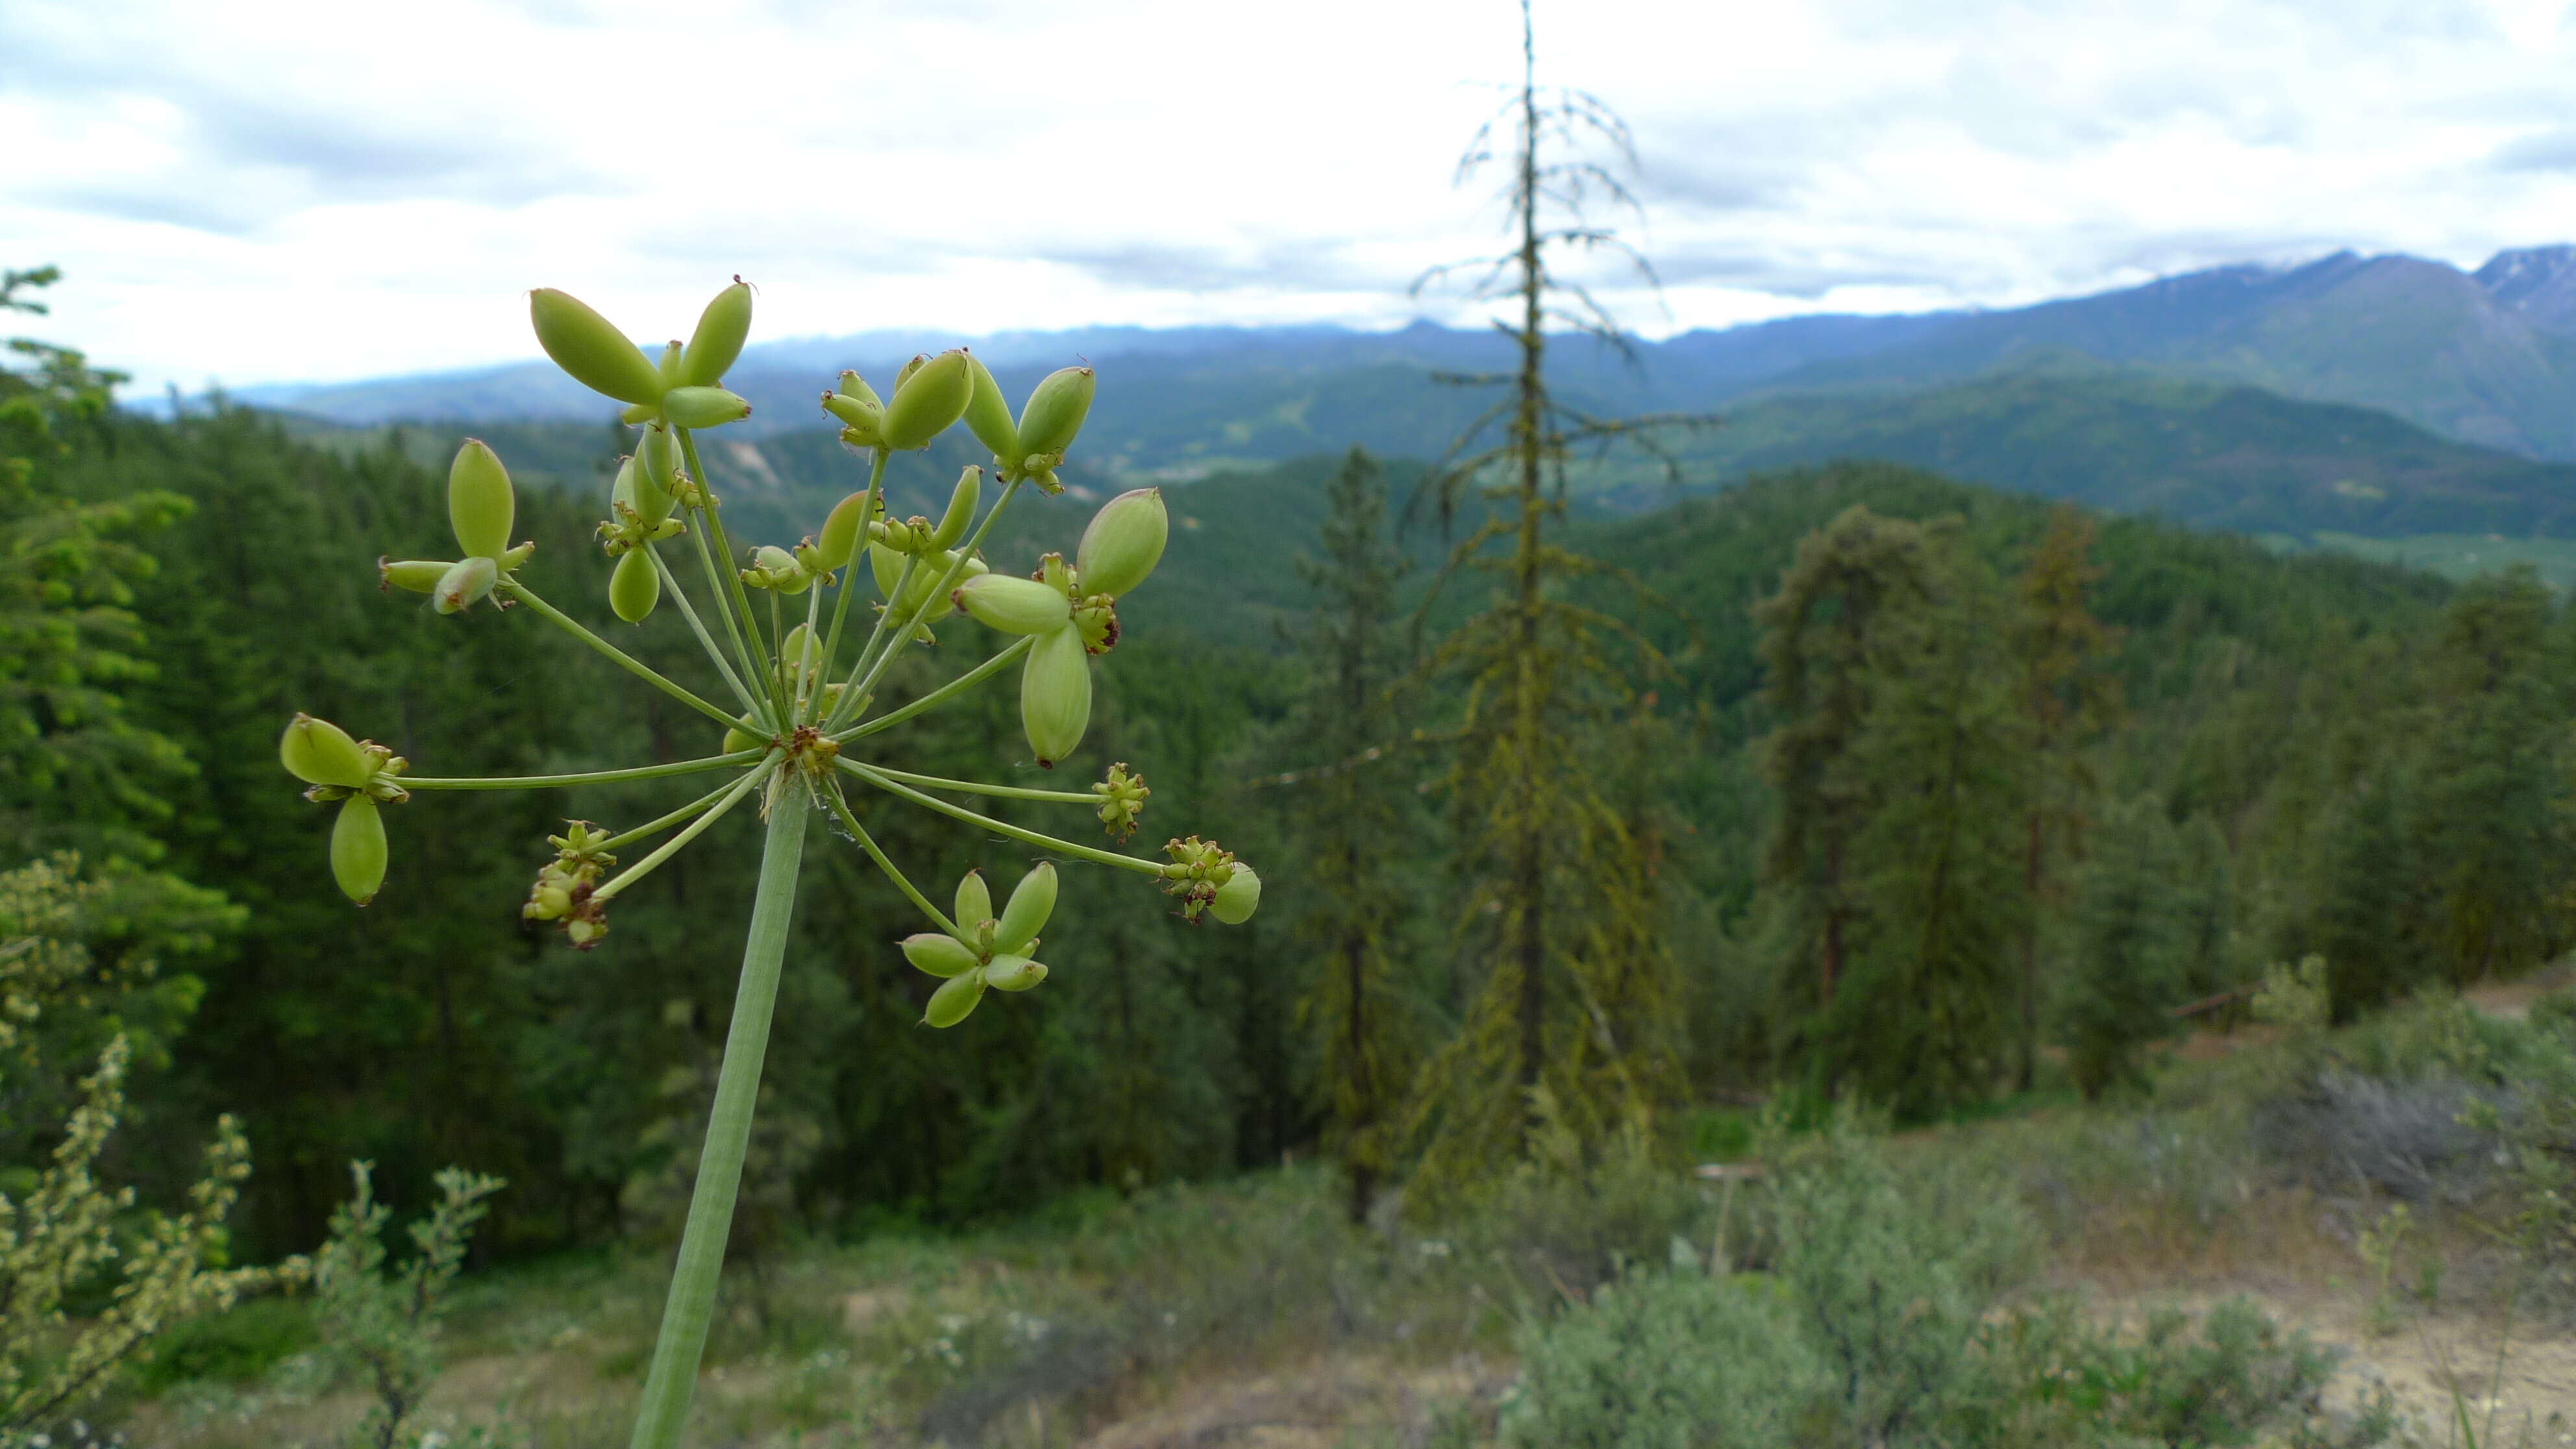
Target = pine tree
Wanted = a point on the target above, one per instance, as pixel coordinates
(2068, 699)
(1578, 974)
(1828, 635)
(1356, 829)
(2494, 780)
(2133, 942)
(2370, 908)
(1925, 1020)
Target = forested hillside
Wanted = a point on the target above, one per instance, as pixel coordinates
(2260, 723)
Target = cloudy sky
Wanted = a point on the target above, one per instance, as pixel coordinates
(277, 191)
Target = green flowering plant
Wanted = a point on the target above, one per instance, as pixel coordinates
(799, 728)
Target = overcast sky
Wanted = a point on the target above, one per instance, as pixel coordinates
(277, 191)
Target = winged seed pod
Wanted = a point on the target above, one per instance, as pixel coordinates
(1055, 696)
(1238, 898)
(319, 752)
(955, 998)
(988, 414)
(1032, 901)
(1123, 543)
(480, 504)
(1014, 605)
(657, 474)
(1013, 973)
(419, 575)
(961, 508)
(358, 851)
(464, 585)
(635, 587)
(1055, 410)
(940, 955)
(718, 340)
(840, 535)
(933, 396)
(703, 407)
(591, 349)
(974, 901)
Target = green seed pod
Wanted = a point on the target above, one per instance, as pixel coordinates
(1032, 901)
(669, 364)
(464, 585)
(621, 491)
(974, 901)
(1014, 605)
(703, 407)
(840, 536)
(962, 501)
(1123, 543)
(801, 652)
(319, 752)
(988, 413)
(516, 556)
(928, 574)
(718, 338)
(358, 849)
(635, 587)
(740, 737)
(853, 385)
(1238, 897)
(419, 575)
(1055, 410)
(887, 566)
(904, 373)
(657, 474)
(939, 955)
(591, 349)
(1055, 695)
(954, 999)
(864, 417)
(480, 503)
(1013, 973)
(928, 400)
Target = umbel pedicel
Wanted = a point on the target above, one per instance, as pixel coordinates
(798, 729)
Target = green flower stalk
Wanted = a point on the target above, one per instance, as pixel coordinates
(797, 729)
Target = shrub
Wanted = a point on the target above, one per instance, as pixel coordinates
(1672, 1361)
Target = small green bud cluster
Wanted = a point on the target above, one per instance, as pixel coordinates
(1122, 800)
(1206, 877)
(639, 502)
(565, 885)
(358, 774)
(985, 952)
(481, 506)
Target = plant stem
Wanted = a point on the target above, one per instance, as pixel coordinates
(978, 787)
(593, 777)
(697, 626)
(1029, 837)
(938, 597)
(851, 700)
(668, 848)
(850, 568)
(673, 1378)
(868, 843)
(632, 665)
(732, 571)
(629, 837)
(942, 694)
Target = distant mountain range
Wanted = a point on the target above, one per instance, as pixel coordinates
(2485, 357)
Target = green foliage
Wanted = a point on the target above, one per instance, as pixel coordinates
(385, 1324)
(1889, 1314)
(1355, 837)
(65, 1234)
(2131, 948)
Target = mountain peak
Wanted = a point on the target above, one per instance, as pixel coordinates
(2538, 282)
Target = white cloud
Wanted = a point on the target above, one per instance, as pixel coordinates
(279, 190)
